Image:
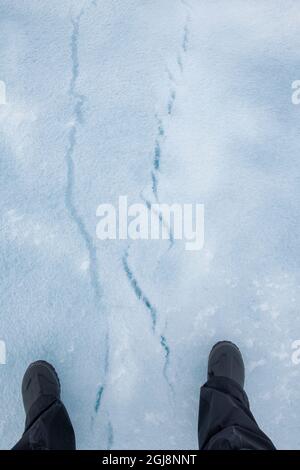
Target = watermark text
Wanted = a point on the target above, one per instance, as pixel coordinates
(157, 222)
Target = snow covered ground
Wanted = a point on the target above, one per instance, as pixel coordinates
(183, 101)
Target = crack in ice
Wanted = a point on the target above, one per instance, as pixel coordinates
(110, 442)
(160, 217)
(153, 313)
(106, 368)
(78, 101)
(98, 398)
(157, 153)
(166, 347)
(138, 291)
(156, 168)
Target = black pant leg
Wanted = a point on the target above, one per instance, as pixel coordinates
(225, 419)
(52, 430)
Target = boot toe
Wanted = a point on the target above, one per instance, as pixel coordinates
(226, 360)
(40, 380)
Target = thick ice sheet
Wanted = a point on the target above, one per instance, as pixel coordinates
(90, 87)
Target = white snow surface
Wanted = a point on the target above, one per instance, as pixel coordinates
(96, 91)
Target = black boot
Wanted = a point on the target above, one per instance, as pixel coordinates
(225, 419)
(47, 425)
(40, 389)
(225, 360)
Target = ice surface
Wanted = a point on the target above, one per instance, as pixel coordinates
(158, 100)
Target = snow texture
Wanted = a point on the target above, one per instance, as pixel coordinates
(159, 100)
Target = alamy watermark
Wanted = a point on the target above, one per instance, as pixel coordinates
(2, 92)
(296, 353)
(296, 93)
(153, 222)
(2, 352)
